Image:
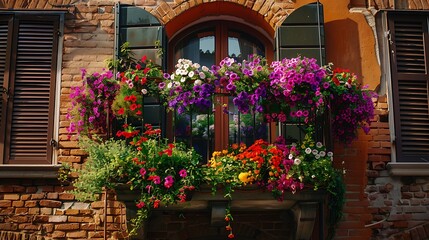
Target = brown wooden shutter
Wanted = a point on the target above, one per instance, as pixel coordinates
(32, 84)
(409, 63)
(6, 23)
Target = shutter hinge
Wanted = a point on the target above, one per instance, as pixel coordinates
(59, 33)
(54, 143)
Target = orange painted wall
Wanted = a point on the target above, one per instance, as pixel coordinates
(349, 40)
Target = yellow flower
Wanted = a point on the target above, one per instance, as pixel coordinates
(243, 177)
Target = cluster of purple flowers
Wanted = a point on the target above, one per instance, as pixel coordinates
(296, 89)
(90, 102)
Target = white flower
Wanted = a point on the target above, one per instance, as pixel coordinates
(178, 71)
(191, 74)
(322, 153)
(315, 151)
(184, 72)
(313, 176)
(319, 144)
(330, 154)
(144, 91)
(202, 75)
(183, 79)
(196, 65)
(290, 156)
(169, 85)
(317, 156)
(172, 76)
(297, 161)
(204, 68)
(186, 65)
(198, 82)
(308, 150)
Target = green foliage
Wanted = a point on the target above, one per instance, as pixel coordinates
(105, 167)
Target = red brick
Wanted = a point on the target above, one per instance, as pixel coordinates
(28, 226)
(11, 196)
(37, 196)
(8, 226)
(66, 196)
(72, 212)
(58, 234)
(67, 226)
(80, 219)
(31, 190)
(21, 210)
(40, 218)
(52, 195)
(50, 203)
(6, 188)
(5, 203)
(34, 211)
(79, 234)
(25, 197)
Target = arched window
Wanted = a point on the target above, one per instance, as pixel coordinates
(207, 44)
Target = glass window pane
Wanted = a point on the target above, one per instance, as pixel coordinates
(199, 48)
(241, 45)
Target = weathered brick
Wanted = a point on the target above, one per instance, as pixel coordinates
(30, 203)
(414, 209)
(8, 226)
(57, 219)
(80, 219)
(72, 212)
(17, 203)
(419, 195)
(40, 218)
(28, 226)
(58, 234)
(5, 203)
(46, 211)
(50, 203)
(31, 189)
(52, 195)
(11, 196)
(6, 188)
(78, 234)
(34, 211)
(21, 211)
(66, 196)
(25, 197)
(415, 188)
(67, 226)
(37, 196)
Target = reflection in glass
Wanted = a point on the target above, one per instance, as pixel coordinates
(241, 45)
(199, 48)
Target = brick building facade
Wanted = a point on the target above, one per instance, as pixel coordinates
(383, 200)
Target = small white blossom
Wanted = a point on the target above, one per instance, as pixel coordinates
(308, 150)
(198, 82)
(319, 145)
(315, 151)
(191, 74)
(330, 154)
(297, 161)
(313, 176)
(196, 65)
(322, 153)
(183, 79)
(317, 156)
(144, 91)
(178, 71)
(204, 68)
(169, 85)
(186, 65)
(290, 156)
(172, 76)
(202, 75)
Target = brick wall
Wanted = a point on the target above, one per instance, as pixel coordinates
(43, 208)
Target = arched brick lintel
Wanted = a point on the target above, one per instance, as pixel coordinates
(217, 9)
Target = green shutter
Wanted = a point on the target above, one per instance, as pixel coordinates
(410, 82)
(302, 33)
(32, 84)
(143, 31)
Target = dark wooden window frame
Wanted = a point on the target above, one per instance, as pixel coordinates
(21, 44)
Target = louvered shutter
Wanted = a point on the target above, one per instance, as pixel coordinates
(32, 85)
(409, 64)
(302, 33)
(142, 31)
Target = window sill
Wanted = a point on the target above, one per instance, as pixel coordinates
(29, 171)
(408, 169)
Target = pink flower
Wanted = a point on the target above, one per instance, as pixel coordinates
(168, 181)
(142, 171)
(183, 173)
